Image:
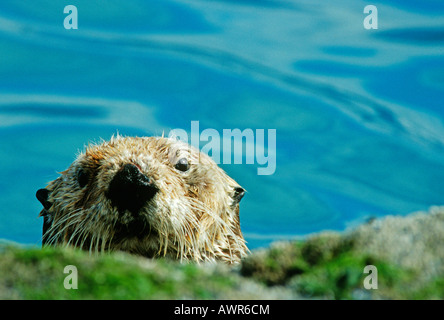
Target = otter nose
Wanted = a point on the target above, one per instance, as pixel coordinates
(130, 189)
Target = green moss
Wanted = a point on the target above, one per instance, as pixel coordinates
(35, 273)
(276, 265)
(432, 290)
(341, 276)
(39, 274)
(327, 265)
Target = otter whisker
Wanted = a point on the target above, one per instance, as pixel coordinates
(59, 226)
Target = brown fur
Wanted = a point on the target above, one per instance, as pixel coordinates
(193, 216)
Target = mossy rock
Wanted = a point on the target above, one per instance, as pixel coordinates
(407, 252)
(34, 273)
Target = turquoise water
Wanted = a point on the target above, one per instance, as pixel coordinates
(358, 113)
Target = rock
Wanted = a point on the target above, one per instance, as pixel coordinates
(34, 273)
(408, 253)
(413, 242)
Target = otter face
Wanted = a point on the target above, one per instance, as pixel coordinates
(149, 196)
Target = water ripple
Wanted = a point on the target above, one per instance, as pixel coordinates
(23, 108)
(418, 35)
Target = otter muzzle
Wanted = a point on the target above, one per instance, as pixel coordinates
(130, 189)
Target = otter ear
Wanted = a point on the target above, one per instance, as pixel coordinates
(238, 194)
(42, 195)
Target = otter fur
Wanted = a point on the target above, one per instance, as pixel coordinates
(151, 196)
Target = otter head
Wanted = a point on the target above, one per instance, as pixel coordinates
(151, 196)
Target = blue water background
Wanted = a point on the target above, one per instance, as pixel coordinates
(358, 113)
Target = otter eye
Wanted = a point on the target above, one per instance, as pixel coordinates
(82, 178)
(182, 165)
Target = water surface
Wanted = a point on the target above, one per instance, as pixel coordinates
(358, 113)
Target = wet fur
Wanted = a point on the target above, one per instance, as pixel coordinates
(194, 216)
